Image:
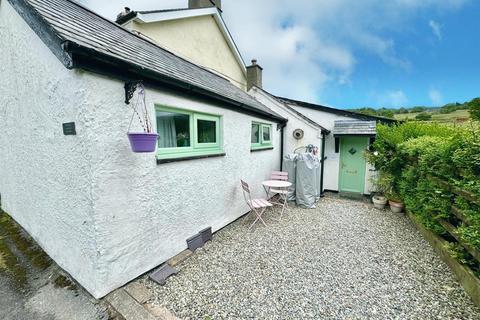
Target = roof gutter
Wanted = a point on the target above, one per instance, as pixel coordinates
(92, 60)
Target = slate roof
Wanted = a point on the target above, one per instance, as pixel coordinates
(354, 127)
(340, 112)
(80, 38)
(301, 115)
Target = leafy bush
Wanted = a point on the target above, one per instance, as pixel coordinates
(415, 155)
(423, 116)
(474, 107)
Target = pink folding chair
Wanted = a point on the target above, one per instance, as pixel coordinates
(283, 193)
(258, 206)
(279, 175)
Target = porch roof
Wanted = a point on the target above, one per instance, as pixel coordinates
(354, 128)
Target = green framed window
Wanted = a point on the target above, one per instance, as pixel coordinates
(261, 136)
(185, 133)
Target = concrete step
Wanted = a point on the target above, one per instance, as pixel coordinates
(132, 303)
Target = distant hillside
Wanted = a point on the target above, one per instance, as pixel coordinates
(451, 112)
(455, 116)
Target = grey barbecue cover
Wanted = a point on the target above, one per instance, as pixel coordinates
(306, 180)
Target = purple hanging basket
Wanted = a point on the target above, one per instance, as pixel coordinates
(143, 142)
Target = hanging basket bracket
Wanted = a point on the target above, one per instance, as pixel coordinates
(130, 88)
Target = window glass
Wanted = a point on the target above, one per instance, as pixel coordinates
(184, 133)
(261, 136)
(266, 133)
(255, 133)
(206, 131)
(173, 129)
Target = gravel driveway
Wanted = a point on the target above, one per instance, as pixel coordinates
(343, 260)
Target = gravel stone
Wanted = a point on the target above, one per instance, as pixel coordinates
(342, 260)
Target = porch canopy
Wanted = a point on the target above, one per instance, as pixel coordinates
(354, 128)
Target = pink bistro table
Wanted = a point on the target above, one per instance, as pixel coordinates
(280, 187)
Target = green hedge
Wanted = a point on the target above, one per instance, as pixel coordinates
(412, 152)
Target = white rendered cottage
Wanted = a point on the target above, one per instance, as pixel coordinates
(103, 213)
(341, 136)
(199, 33)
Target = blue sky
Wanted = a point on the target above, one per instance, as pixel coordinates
(443, 66)
(350, 53)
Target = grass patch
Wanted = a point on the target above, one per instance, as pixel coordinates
(63, 282)
(16, 250)
(23, 242)
(10, 265)
(3, 263)
(456, 116)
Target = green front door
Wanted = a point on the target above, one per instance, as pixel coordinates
(352, 164)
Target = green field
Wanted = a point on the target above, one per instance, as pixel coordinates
(456, 116)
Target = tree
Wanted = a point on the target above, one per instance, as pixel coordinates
(367, 111)
(385, 113)
(474, 108)
(423, 116)
(417, 109)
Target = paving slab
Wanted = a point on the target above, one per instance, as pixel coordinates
(127, 306)
(139, 292)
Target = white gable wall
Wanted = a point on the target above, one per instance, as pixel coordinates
(103, 213)
(198, 39)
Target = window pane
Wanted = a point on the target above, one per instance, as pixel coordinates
(255, 133)
(173, 129)
(207, 131)
(266, 133)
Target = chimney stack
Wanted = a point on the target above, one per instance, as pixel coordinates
(254, 75)
(198, 4)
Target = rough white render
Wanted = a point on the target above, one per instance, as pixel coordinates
(332, 163)
(146, 211)
(103, 213)
(46, 177)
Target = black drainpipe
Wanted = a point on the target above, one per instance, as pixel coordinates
(281, 145)
(322, 164)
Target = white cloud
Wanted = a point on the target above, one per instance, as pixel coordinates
(436, 97)
(304, 45)
(436, 29)
(394, 98)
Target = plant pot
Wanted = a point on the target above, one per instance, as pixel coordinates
(143, 142)
(379, 202)
(396, 206)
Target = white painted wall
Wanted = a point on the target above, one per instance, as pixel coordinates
(103, 213)
(312, 134)
(46, 177)
(146, 211)
(332, 162)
